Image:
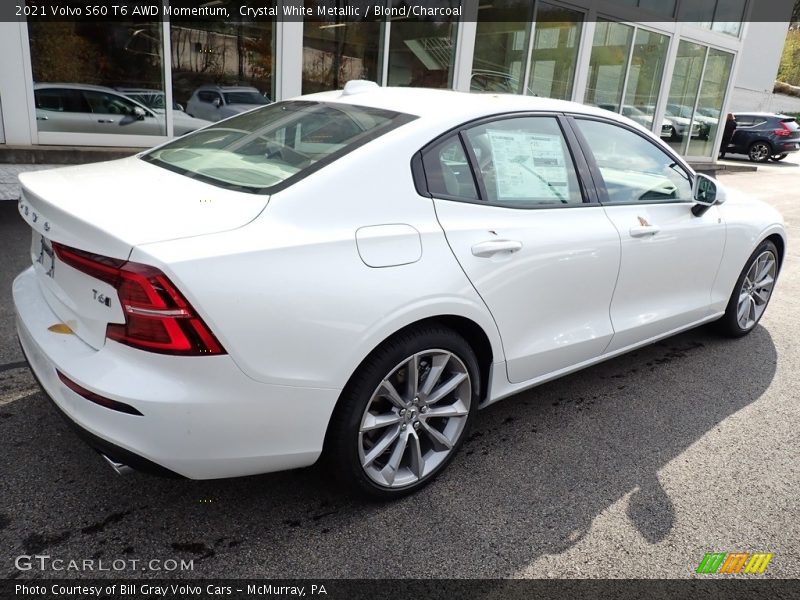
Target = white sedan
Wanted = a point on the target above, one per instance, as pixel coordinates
(354, 273)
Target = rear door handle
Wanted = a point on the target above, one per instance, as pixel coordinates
(492, 247)
(105, 120)
(644, 231)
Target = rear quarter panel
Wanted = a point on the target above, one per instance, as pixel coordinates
(289, 296)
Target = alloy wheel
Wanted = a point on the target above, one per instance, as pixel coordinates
(415, 418)
(756, 290)
(760, 152)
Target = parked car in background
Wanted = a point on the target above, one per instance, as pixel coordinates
(82, 108)
(213, 102)
(706, 121)
(674, 127)
(356, 272)
(765, 136)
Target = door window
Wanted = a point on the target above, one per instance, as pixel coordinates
(109, 104)
(633, 168)
(524, 163)
(207, 97)
(60, 100)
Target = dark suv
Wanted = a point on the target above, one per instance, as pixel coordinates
(765, 136)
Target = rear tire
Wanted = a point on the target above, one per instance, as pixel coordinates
(752, 292)
(759, 152)
(389, 437)
(779, 157)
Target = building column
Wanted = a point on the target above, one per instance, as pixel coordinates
(16, 86)
(288, 59)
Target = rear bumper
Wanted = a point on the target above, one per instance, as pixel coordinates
(787, 147)
(202, 417)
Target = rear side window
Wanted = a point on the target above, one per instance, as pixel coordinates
(267, 149)
(447, 171)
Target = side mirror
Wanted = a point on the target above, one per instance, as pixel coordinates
(139, 113)
(705, 194)
(217, 102)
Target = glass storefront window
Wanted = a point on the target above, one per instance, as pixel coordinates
(220, 68)
(608, 64)
(644, 76)
(678, 127)
(336, 51)
(724, 16)
(86, 74)
(554, 57)
(696, 96)
(712, 97)
(665, 8)
(501, 45)
(422, 50)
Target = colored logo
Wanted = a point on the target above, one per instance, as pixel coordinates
(734, 562)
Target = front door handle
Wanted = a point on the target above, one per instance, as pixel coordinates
(105, 120)
(492, 247)
(644, 231)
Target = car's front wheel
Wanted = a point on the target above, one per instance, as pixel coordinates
(405, 412)
(752, 293)
(760, 152)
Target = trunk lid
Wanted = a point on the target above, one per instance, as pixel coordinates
(107, 209)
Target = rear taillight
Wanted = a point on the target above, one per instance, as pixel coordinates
(784, 130)
(157, 316)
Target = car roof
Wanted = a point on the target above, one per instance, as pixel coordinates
(763, 114)
(435, 104)
(228, 88)
(75, 86)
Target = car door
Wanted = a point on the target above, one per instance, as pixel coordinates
(205, 108)
(540, 253)
(113, 113)
(61, 110)
(670, 256)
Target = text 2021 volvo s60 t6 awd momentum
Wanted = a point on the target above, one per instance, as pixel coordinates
(356, 272)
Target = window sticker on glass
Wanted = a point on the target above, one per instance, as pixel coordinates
(529, 166)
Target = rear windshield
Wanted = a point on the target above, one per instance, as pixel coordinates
(270, 148)
(791, 124)
(244, 98)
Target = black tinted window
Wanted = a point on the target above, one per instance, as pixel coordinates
(448, 172)
(60, 100)
(207, 96)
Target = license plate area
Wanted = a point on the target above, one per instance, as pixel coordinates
(43, 254)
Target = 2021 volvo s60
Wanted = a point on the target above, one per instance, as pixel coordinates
(356, 272)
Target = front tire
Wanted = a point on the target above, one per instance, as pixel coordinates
(752, 292)
(405, 412)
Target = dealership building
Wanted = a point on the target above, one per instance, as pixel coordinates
(675, 66)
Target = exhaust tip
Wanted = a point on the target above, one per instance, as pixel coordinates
(118, 467)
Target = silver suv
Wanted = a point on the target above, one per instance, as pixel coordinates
(213, 102)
